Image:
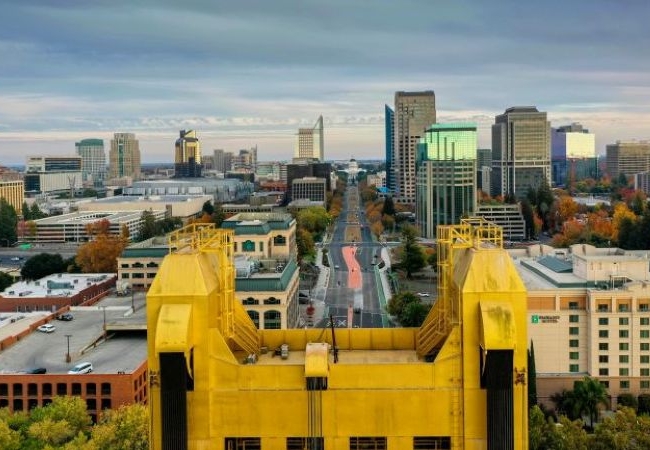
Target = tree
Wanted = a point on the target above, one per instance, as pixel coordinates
(529, 218)
(218, 216)
(412, 257)
(42, 265)
(532, 377)
(389, 207)
(589, 395)
(567, 208)
(148, 226)
(625, 431)
(305, 243)
(644, 404)
(5, 281)
(127, 427)
(208, 208)
(377, 229)
(8, 223)
(100, 254)
(9, 439)
(536, 428)
(628, 400)
(35, 212)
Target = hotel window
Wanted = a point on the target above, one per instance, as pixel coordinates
(573, 343)
(603, 359)
(603, 346)
(624, 359)
(603, 333)
(603, 307)
(625, 384)
(645, 320)
(645, 372)
(574, 318)
(644, 346)
(623, 321)
(573, 305)
(624, 346)
(605, 384)
(603, 321)
(623, 333)
(644, 359)
(645, 384)
(574, 355)
(603, 372)
(624, 372)
(623, 307)
(574, 331)
(574, 368)
(644, 334)
(643, 307)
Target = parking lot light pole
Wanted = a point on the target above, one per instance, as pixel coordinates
(67, 355)
(104, 310)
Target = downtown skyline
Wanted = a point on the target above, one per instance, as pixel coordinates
(253, 73)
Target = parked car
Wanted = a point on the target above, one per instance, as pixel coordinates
(67, 317)
(46, 328)
(84, 367)
(37, 371)
(423, 294)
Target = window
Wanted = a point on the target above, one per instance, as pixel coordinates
(644, 334)
(106, 390)
(605, 384)
(574, 331)
(574, 355)
(272, 301)
(431, 443)
(643, 307)
(573, 343)
(623, 359)
(18, 389)
(603, 307)
(248, 246)
(61, 389)
(603, 372)
(243, 443)
(250, 301)
(645, 372)
(76, 388)
(573, 305)
(91, 389)
(106, 403)
(574, 368)
(603, 321)
(261, 246)
(644, 346)
(624, 307)
(368, 443)
(645, 384)
(603, 346)
(625, 384)
(623, 333)
(279, 240)
(603, 333)
(125, 276)
(47, 389)
(272, 320)
(645, 321)
(91, 404)
(603, 359)
(624, 372)
(297, 443)
(624, 346)
(644, 359)
(623, 321)
(255, 317)
(574, 318)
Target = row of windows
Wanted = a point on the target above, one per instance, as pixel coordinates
(574, 318)
(604, 346)
(643, 334)
(139, 265)
(267, 301)
(624, 359)
(355, 443)
(272, 319)
(604, 307)
(47, 389)
(19, 405)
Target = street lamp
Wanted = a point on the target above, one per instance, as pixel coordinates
(104, 310)
(67, 355)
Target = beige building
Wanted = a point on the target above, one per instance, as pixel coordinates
(14, 193)
(124, 157)
(589, 315)
(138, 264)
(628, 158)
(182, 206)
(264, 235)
(311, 143)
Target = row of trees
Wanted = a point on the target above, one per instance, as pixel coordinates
(65, 424)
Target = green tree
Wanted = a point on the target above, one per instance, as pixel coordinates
(529, 218)
(623, 431)
(26, 212)
(628, 400)
(8, 223)
(127, 427)
(148, 228)
(5, 281)
(536, 428)
(414, 313)
(218, 216)
(208, 208)
(35, 212)
(42, 265)
(644, 404)
(590, 395)
(532, 377)
(389, 207)
(412, 256)
(305, 243)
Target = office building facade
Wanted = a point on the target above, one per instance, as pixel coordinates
(573, 155)
(389, 136)
(414, 113)
(124, 157)
(628, 158)
(14, 193)
(222, 160)
(446, 176)
(521, 151)
(52, 174)
(93, 160)
(187, 156)
(311, 142)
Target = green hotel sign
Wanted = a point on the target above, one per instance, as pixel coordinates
(535, 318)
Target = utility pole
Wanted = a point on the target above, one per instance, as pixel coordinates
(68, 358)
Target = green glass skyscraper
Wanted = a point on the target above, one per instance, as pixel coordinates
(446, 176)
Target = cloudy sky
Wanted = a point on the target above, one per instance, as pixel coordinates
(246, 73)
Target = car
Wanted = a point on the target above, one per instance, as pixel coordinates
(15, 258)
(336, 266)
(84, 367)
(423, 294)
(37, 371)
(46, 328)
(67, 317)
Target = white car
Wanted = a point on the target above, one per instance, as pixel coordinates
(423, 294)
(84, 367)
(47, 328)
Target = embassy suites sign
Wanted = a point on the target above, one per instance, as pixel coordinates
(535, 318)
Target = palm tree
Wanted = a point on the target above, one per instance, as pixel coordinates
(589, 394)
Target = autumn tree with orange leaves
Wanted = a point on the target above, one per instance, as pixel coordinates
(99, 255)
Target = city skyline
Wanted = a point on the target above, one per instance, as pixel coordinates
(254, 73)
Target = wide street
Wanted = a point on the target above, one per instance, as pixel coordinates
(353, 256)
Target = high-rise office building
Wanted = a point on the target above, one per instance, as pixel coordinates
(446, 176)
(389, 130)
(414, 113)
(521, 151)
(52, 174)
(311, 143)
(222, 160)
(245, 160)
(187, 158)
(93, 160)
(483, 169)
(628, 158)
(124, 156)
(573, 154)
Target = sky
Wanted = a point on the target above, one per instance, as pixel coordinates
(245, 73)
